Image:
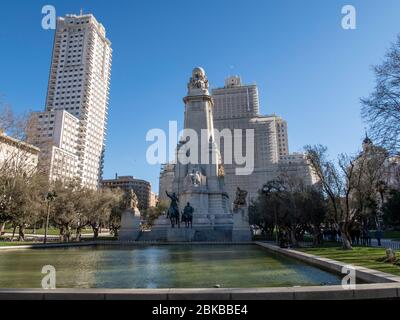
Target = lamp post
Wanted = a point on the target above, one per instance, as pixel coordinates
(49, 198)
(276, 225)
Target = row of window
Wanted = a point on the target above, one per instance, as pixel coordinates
(72, 97)
(67, 103)
(71, 36)
(68, 81)
(41, 116)
(79, 22)
(71, 70)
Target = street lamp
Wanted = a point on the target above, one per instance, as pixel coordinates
(51, 196)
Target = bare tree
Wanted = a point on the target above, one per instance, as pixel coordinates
(12, 124)
(351, 186)
(369, 186)
(20, 180)
(6, 118)
(65, 213)
(337, 185)
(382, 108)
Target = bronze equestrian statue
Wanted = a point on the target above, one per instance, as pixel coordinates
(173, 211)
(187, 216)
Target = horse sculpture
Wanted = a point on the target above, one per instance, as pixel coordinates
(187, 216)
(173, 211)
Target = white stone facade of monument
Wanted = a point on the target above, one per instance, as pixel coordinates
(130, 225)
(241, 229)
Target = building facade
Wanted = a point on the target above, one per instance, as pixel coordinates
(79, 85)
(56, 134)
(236, 106)
(142, 188)
(17, 156)
(385, 166)
(393, 172)
(296, 165)
(153, 199)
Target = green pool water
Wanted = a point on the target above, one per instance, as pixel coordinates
(164, 266)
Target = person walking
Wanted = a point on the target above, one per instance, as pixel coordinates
(378, 236)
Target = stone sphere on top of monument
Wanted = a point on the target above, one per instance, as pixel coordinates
(198, 83)
(198, 71)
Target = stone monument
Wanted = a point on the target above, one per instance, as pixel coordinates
(199, 172)
(130, 219)
(199, 181)
(241, 228)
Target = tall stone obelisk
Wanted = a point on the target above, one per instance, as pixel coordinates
(199, 174)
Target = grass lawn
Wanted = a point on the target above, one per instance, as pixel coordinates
(15, 243)
(4, 242)
(360, 256)
(52, 231)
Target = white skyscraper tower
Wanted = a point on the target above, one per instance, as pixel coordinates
(79, 84)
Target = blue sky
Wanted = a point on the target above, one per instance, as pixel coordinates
(308, 69)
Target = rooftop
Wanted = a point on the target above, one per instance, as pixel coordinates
(18, 143)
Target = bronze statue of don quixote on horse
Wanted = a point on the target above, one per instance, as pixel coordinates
(174, 215)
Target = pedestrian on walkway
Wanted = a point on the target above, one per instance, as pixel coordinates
(378, 236)
(368, 237)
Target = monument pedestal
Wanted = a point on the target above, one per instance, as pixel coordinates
(241, 228)
(180, 234)
(130, 225)
(161, 223)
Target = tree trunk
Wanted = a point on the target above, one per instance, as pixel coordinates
(2, 227)
(293, 239)
(316, 236)
(62, 234)
(95, 232)
(13, 233)
(21, 233)
(346, 239)
(68, 234)
(78, 234)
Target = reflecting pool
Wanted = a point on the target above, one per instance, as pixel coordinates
(164, 266)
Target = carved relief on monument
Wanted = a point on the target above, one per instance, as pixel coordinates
(194, 177)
